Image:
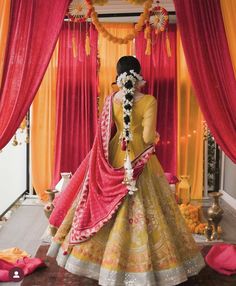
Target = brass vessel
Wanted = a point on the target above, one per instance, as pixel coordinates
(215, 213)
(184, 190)
(208, 230)
(48, 208)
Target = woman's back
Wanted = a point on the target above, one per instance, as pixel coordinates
(142, 128)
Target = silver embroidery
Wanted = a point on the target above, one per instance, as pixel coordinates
(168, 277)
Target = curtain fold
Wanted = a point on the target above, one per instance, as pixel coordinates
(190, 128)
(208, 59)
(33, 32)
(43, 121)
(76, 113)
(159, 71)
(228, 9)
(4, 26)
(109, 54)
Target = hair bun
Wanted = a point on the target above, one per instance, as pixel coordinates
(127, 63)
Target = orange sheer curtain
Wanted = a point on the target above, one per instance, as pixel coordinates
(4, 23)
(43, 130)
(228, 9)
(109, 53)
(190, 128)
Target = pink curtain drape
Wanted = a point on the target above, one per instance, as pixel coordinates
(159, 71)
(76, 115)
(33, 32)
(208, 59)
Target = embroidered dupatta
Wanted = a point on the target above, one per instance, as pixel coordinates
(96, 188)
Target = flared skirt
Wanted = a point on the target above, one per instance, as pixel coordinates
(146, 242)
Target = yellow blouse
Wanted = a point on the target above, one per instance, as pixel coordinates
(143, 128)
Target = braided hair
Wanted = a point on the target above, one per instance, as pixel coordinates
(128, 69)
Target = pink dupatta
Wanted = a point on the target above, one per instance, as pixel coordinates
(96, 189)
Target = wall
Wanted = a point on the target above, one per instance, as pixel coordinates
(12, 172)
(230, 178)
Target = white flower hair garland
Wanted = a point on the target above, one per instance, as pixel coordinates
(126, 82)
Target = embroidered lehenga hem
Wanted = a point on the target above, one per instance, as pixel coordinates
(106, 277)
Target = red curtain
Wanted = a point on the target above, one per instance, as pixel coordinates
(159, 71)
(76, 117)
(33, 32)
(208, 59)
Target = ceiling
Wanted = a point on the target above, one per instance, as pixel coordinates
(116, 7)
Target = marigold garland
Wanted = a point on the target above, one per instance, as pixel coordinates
(103, 2)
(147, 35)
(87, 45)
(137, 2)
(192, 215)
(192, 218)
(100, 2)
(137, 28)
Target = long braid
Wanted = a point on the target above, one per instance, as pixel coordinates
(126, 81)
(127, 106)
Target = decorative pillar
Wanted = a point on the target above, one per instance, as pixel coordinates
(205, 161)
(222, 171)
(217, 170)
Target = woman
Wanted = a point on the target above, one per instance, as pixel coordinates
(117, 220)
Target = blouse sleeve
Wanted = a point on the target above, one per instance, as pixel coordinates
(149, 122)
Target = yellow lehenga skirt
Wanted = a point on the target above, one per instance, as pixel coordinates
(146, 242)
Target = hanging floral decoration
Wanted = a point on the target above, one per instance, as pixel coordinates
(147, 36)
(80, 11)
(159, 21)
(14, 141)
(87, 44)
(23, 125)
(24, 130)
(137, 28)
(77, 11)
